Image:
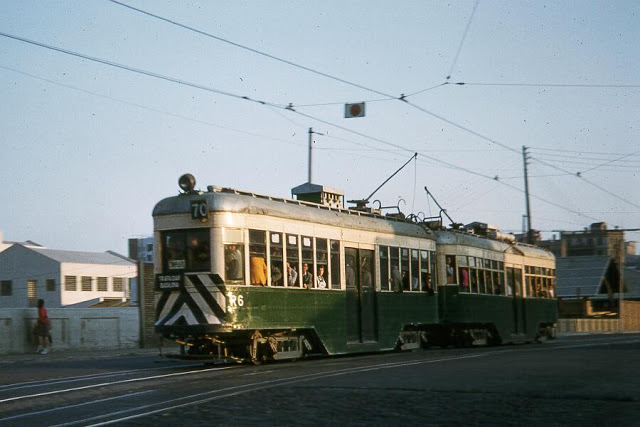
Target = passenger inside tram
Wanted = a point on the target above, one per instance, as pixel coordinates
(307, 277)
(321, 282)
(396, 279)
(258, 270)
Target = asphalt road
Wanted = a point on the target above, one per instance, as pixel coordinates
(579, 380)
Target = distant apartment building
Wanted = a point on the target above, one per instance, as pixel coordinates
(595, 240)
(591, 267)
(141, 249)
(62, 278)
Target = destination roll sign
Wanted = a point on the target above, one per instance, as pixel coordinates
(165, 282)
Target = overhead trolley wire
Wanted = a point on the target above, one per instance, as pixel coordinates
(221, 92)
(567, 85)
(155, 110)
(575, 151)
(137, 70)
(609, 162)
(464, 37)
(451, 165)
(250, 49)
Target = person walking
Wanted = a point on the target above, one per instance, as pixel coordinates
(43, 328)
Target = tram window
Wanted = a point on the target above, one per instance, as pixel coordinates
(367, 270)
(415, 270)
(234, 263)
(396, 276)
(404, 268)
(517, 281)
(473, 276)
(425, 276)
(308, 266)
(277, 259)
(482, 282)
(552, 287)
(186, 250)
(463, 273)
(488, 280)
(257, 257)
(334, 277)
(451, 268)
(322, 261)
(509, 282)
(384, 268)
(497, 283)
(433, 270)
(529, 286)
(293, 259)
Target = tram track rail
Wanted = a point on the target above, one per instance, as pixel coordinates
(118, 402)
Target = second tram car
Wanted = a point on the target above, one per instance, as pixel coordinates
(249, 277)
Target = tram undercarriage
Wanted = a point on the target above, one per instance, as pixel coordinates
(249, 346)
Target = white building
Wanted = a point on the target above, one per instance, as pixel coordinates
(62, 278)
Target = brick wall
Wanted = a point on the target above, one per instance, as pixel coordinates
(148, 337)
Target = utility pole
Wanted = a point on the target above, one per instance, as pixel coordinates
(311, 132)
(525, 159)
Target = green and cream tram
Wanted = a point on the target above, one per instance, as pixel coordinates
(250, 277)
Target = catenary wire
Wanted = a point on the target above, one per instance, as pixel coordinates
(137, 70)
(566, 85)
(464, 37)
(495, 178)
(209, 89)
(155, 110)
(285, 61)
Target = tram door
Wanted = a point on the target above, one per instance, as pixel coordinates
(514, 277)
(361, 295)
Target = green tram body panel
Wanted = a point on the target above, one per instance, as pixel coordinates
(324, 312)
(515, 319)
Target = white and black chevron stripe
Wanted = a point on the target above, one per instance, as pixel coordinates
(200, 301)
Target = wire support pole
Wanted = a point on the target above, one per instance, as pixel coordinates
(525, 160)
(310, 173)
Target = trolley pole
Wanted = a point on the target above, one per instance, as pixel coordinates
(525, 159)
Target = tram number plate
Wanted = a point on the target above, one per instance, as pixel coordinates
(235, 300)
(199, 209)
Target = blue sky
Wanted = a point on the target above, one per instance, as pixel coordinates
(88, 148)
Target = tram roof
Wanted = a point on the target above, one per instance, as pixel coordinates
(452, 237)
(230, 200)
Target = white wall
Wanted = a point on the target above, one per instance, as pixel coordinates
(72, 328)
(94, 271)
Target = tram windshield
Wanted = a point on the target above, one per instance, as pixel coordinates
(186, 250)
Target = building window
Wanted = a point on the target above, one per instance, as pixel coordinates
(70, 283)
(86, 284)
(50, 285)
(5, 288)
(118, 284)
(32, 293)
(102, 284)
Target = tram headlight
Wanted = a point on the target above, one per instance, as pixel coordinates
(187, 182)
